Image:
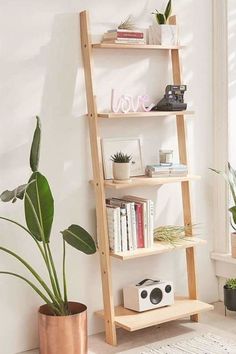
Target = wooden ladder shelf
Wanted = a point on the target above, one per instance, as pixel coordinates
(119, 316)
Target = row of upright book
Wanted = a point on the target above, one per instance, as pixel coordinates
(130, 223)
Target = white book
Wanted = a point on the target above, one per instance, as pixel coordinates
(134, 226)
(123, 225)
(151, 210)
(113, 218)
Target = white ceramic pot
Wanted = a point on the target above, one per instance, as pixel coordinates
(167, 34)
(233, 244)
(121, 171)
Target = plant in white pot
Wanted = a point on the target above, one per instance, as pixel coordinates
(62, 324)
(121, 167)
(230, 178)
(167, 34)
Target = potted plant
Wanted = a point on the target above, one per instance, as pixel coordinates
(121, 167)
(230, 178)
(62, 324)
(167, 34)
(230, 294)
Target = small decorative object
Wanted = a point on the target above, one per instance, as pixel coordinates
(128, 24)
(171, 234)
(174, 170)
(166, 157)
(126, 103)
(129, 146)
(148, 294)
(230, 295)
(163, 32)
(62, 324)
(230, 178)
(121, 167)
(173, 99)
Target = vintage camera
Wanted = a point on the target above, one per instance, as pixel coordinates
(148, 294)
(173, 99)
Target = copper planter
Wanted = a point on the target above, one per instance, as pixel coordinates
(63, 334)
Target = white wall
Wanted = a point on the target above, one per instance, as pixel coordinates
(42, 73)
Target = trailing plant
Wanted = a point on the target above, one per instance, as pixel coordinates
(230, 178)
(171, 234)
(128, 24)
(231, 283)
(120, 157)
(39, 213)
(163, 18)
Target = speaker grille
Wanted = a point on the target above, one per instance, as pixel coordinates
(156, 296)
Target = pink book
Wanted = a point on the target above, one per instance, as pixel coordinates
(140, 229)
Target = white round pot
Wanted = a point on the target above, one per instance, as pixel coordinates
(233, 244)
(121, 171)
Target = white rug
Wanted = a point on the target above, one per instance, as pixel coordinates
(203, 344)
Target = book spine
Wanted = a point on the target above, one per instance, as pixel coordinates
(145, 233)
(129, 227)
(123, 229)
(138, 35)
(111, 230)
(151, 209)
(118, 230)
(140, 231)
(133, 225)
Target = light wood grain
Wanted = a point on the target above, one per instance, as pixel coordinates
(147, 182)
(98, 181)
(133, 46)
(133, 321)
(180, 122)
(111, 115)
(158, 248)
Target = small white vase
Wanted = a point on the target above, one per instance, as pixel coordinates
(233, 244)
(121, 172)
(167, 34)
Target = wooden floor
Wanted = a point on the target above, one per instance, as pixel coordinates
(210, 321)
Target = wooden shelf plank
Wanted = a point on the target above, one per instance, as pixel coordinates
(133, 46)
(133, 321)
(158, 248)
(148, 182)
(111, 115)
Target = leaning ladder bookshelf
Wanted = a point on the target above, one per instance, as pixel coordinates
(115, 317)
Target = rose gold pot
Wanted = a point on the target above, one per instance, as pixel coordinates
(63, 334)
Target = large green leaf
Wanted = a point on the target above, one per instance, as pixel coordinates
(17, 193)
(39, 207)
(35, 147)
(233, 212)
(168, 10)
(80, 239)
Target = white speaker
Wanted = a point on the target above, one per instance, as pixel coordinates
(148, 294)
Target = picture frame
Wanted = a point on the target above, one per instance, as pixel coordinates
(130, 146)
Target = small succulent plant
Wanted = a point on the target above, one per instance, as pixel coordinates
(163, 19)
(231, 283)
(120, 157)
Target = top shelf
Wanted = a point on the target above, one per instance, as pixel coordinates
(134, 46)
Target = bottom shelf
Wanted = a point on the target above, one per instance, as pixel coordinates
(133, 321)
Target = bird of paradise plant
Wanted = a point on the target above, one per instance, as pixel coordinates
(39, 213)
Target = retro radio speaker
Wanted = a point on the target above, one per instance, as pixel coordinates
(148, 294)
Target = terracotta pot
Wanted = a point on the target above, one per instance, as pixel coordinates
(63, 334)
(121, 171)
(233, 244)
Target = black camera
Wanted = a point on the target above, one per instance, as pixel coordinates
(173, 99)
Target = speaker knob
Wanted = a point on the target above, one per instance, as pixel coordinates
(156, 296)
(144, 294)
(168, 289)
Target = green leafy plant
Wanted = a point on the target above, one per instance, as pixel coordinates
(171, 234)
(230, 178)
(128, 24)
(231, 283)
(39, 213)
(120, 157)
(163, 18)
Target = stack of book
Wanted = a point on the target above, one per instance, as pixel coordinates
(124, 36)
(130, 223)
(175, 170)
